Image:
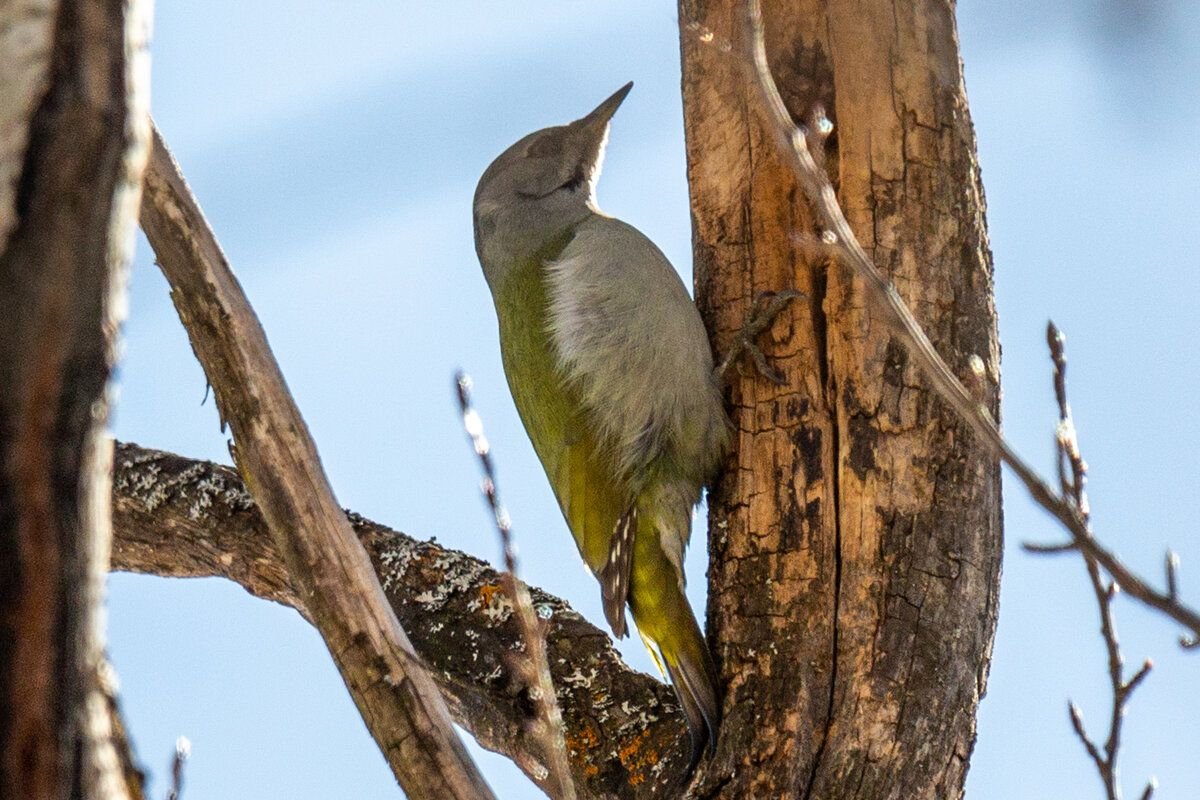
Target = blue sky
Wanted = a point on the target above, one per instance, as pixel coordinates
(336, 155)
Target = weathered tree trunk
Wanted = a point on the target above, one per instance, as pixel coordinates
(74, 125)
(856, 541)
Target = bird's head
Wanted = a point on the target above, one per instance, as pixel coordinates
(543, 185)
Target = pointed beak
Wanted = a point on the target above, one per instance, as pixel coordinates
(603, 112)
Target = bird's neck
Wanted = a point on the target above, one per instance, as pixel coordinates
(518, 281)
(507, 240)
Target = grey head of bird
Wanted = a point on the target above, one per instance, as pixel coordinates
(540, 188)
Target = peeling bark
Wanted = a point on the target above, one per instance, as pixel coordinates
(856, 541)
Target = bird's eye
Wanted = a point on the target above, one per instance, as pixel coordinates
(575, 181)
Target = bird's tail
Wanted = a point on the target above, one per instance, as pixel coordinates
(669, 628)
(693, 676)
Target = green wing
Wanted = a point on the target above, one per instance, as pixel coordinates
(580, 473)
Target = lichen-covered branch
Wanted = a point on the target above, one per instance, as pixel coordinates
(397, 699)
(625, 736)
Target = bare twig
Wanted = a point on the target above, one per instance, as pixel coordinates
(1172, 570)
(798, 143)
(1050, 549)
(533, 668)
(183, 751)
(1072, 470)
(399, 701)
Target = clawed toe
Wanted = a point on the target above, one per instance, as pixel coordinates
(766, 307)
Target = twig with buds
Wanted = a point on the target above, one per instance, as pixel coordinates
(183, 751)
(533, 669)
(1072, 477)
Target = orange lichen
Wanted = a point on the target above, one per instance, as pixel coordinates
(636, 760)
(582, 744)
(487, 592)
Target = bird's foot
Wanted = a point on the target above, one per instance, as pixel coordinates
(767, 307)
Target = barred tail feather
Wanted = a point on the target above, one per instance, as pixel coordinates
(615, 575)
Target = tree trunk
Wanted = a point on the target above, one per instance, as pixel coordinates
(856, 540)
(74, 129)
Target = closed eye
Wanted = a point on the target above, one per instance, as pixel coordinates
(577, 179)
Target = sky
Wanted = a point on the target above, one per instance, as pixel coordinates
(336, 156)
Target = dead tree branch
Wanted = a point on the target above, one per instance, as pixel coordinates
(532, 666)
(399, 701)
(803, 145)
(625, 735)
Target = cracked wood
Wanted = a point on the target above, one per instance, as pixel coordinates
(857, 542)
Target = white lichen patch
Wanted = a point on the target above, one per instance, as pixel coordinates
(499, 609)
(206, 489)
(640, 716)
(142, 484)
(460, 572)
(579, 679)
(473, 638)
(200, 486)
(394, 560)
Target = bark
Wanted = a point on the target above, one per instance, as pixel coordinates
(398, 700)
(73, 131)
(856, 540)
(626, 737)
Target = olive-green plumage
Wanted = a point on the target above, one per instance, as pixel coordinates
(609, 365)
